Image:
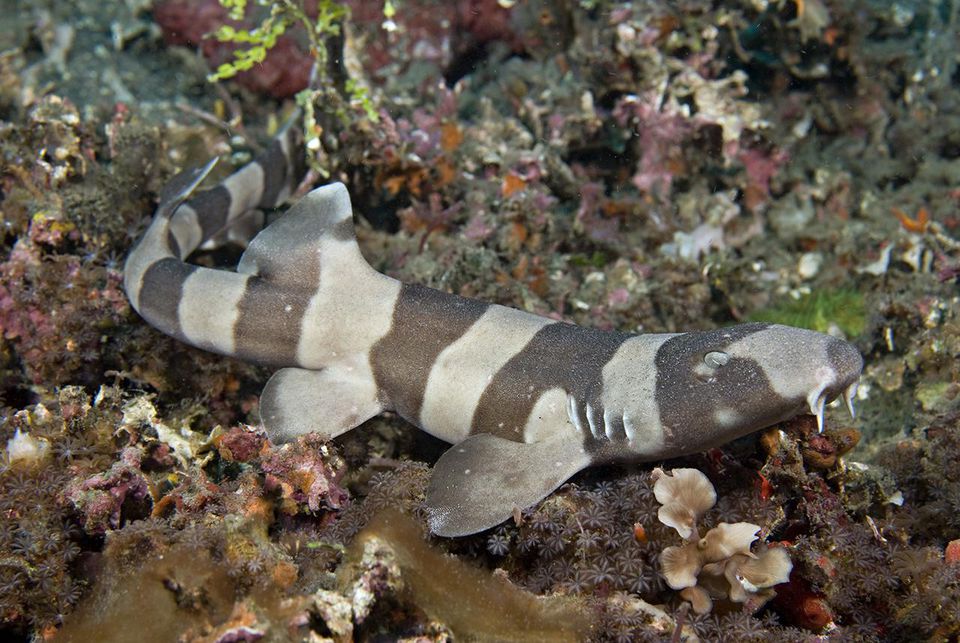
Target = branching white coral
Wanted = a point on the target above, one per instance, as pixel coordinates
(719, 565)
(686, 495)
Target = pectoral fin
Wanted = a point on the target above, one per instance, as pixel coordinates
(477, 483)
(330, 401)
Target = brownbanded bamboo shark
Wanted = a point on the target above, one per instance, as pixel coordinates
(525, 400)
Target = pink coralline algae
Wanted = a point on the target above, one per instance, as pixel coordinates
(102, 497)
(661, 130)
(487, 21)
(55, 309)
(240, 444)
(299, 472)
(590, 215)
(760, 166)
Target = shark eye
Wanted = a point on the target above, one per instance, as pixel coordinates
(716, 359)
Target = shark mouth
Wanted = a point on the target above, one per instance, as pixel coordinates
(817, 400)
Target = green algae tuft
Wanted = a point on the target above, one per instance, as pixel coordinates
(820, 311)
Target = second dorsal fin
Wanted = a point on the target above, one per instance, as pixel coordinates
(182, 186)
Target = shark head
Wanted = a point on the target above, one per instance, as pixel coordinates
(715, 386)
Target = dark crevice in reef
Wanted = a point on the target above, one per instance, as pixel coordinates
(465, 63)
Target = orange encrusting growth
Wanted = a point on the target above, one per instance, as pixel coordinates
(918, 224)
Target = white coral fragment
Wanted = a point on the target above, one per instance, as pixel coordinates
(686, 496)
(680, 566)
(26, 449)
(727, 539)
(748, 576)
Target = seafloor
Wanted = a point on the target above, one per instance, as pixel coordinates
(646, 166)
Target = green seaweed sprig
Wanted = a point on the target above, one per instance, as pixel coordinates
(254, 44)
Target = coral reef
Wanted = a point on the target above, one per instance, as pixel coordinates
(42, 542)
(644, 166)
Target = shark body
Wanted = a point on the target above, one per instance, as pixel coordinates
(525, 400)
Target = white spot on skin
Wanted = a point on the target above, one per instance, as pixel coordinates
(726, 417)
(287, 308)
(704, 372)
(466, 472)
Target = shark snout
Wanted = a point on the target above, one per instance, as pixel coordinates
(846, 362)
(839, 377)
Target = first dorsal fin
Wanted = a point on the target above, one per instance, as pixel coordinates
(293, 243)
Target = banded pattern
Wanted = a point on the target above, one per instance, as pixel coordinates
(177, 297)
(526, 400)
(562, 356)
(463, 369)
(629, 399)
